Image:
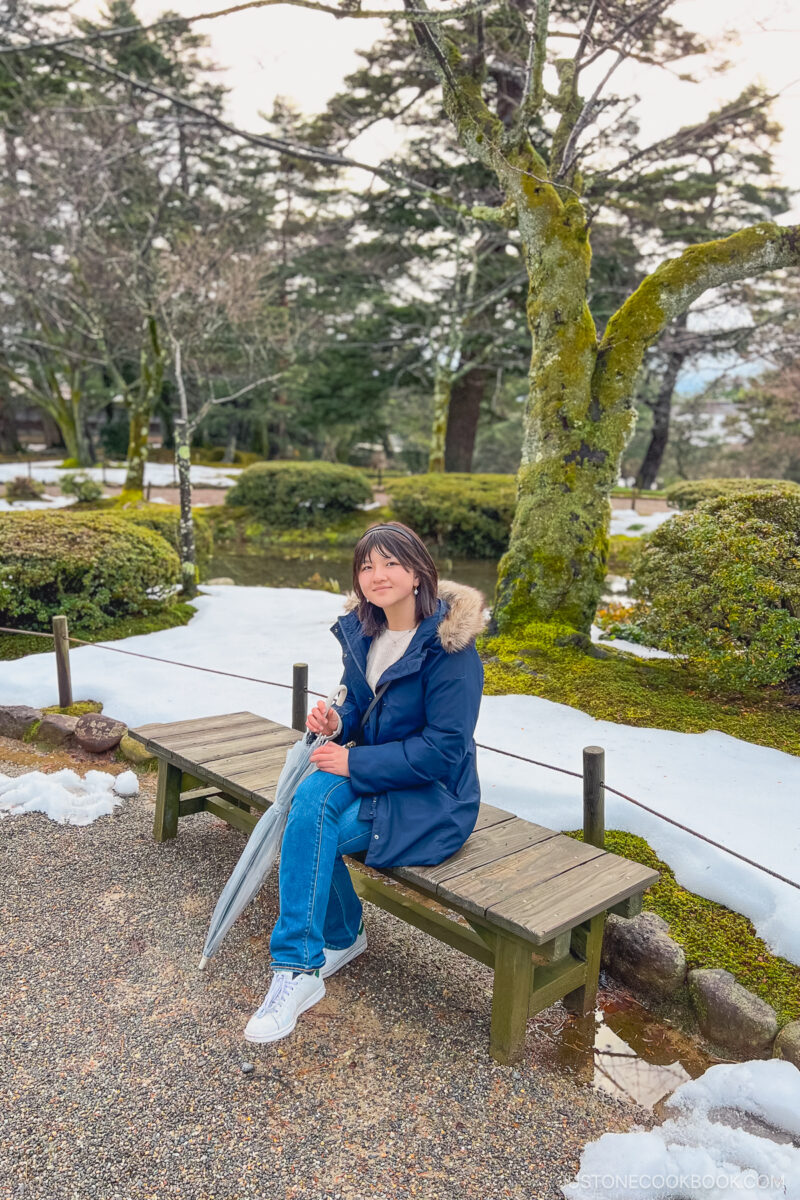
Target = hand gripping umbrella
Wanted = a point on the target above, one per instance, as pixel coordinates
(264, 842)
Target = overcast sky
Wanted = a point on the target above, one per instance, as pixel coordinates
(305, 55)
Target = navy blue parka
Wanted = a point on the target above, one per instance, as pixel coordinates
(414, 761)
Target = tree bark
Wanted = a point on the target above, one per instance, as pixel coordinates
(462, 426)
(442, 388)
(139, 416)
(188, 555)
(661, 408)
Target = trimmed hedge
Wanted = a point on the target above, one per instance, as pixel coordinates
(691, 492)
(83, 487)
(94, 567)
(464, 514)
(166, 520)
(721, 585)
(298, 495)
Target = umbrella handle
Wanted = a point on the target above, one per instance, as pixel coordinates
(337, 696)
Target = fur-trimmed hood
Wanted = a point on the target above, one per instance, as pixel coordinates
(464, 620)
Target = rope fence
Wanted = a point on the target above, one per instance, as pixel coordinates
(593, 756)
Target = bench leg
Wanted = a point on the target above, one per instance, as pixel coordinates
(168, 797)
(583, 999)
(513, 980)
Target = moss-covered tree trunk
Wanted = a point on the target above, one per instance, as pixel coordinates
(580, 411)
(140, 400)
(139, 411)
(187, 547)
(442, 388)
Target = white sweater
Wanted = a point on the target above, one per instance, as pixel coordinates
(387, 646)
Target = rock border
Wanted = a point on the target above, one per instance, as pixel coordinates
(640, 953)
(91, 732)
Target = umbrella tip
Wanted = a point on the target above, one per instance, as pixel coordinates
(201, 966)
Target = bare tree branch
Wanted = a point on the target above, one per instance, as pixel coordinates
(331, 9)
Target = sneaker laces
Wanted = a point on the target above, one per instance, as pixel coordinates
(283, 983)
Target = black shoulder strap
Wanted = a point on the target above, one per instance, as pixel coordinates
(374, 701)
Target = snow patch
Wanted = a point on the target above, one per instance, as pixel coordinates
(632, 524)
(64, 796)
(696, 1156)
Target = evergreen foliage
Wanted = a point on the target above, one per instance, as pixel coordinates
(93, 567)
(467, 515)
(300, 494)
(720, 584)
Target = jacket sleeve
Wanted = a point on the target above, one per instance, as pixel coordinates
(452, 701)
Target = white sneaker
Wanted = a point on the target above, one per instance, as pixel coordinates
(288, 996)
(337, 958)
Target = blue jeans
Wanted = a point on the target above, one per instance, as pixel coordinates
(318, 903)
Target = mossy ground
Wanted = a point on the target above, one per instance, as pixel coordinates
(618, 687)
(75, 710)
(14, 645)
(711, 934)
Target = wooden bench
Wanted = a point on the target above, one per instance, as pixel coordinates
(523, 899)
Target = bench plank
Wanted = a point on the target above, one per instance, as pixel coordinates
(564, 901)
(482, 848)
(226, 720)
(209, 737)
(494, 886)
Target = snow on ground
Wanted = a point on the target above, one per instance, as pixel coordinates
(633, 524)
(598, 635)
(735, 792)
(29, 505)
(64, 796)
(701, 1151)
(158, 474)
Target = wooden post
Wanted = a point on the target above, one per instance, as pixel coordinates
(30, 469)
(299, 696)
(147, 492)
(168, 801)
(103, 472)
(61, 647)
(594, 817)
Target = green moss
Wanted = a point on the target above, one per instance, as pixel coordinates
(710, 934)
(30, 734)
(13, 646)
(75, 710)
(550, 661)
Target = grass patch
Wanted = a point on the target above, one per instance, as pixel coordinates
(614, 686)
(710, 934)
(621, 553)
(13, 645)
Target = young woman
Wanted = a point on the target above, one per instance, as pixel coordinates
(398, 781)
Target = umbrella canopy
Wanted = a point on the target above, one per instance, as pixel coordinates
(258, 856)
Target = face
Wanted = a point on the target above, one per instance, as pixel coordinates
(384, 580)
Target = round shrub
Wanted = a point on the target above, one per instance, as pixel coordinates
(94, 567)
(24, 488)
(296, 495)
(721, 585)
(83, 487)
(464, 514)
(166, 520)
(691, 492)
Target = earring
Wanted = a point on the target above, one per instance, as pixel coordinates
(416, 590)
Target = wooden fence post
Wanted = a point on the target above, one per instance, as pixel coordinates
(299, 696)
(594, 817)
(61, 647)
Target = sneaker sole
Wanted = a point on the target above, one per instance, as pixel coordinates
(309, 1002)
(325, 972)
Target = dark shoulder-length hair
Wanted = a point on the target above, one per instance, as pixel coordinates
(395, 540)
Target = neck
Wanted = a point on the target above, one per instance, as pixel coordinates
(401, 615)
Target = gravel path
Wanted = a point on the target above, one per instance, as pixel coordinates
(120, 1064)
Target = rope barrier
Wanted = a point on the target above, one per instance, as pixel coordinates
(481, 746)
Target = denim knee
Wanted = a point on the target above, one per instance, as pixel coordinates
(320, 790)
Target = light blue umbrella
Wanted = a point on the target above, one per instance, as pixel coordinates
(258, 856)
